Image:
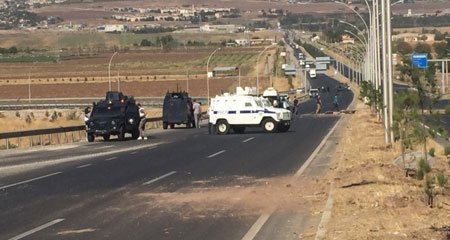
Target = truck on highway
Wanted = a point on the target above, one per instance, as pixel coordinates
(312, 73)
(177, 109)
(244, 109)
(116, 115)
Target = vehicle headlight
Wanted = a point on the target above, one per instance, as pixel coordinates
(91, 123)
(113, 122)
(131, 120)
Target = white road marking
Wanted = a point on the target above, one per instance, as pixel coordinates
(256, 227)
(85, 165)
(159, 178)
(111, 158)
(104, 147)
(317, 150)
(30, 180)
(215, 154)
(133, 153)
(19, 168)
(248, 139)
(37, 229)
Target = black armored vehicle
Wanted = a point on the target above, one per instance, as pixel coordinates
(116, 115)
(177, 109)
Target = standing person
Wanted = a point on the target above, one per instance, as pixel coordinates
(197, 113)
(295, 106)
(86, 116)
(335, 102)
(141, 122)
(319, 104)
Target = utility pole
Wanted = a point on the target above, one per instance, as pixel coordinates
(385, 73)
(390, 71)
(29, 86)
(187, 81)
(118, 81)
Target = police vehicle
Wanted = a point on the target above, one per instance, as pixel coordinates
(243, 110)
(116, 115)
(177, 109)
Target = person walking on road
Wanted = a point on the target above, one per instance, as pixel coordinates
(319, 104)
(141, 122)
(86, 116)
(335, 102)
(295, 106)
(197, 113)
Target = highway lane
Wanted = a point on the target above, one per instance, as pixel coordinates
(101, 201)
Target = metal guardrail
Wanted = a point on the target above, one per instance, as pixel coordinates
(49, 131)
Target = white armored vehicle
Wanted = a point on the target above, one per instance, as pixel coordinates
(245, 110)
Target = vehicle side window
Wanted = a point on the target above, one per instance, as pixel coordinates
(248, 104)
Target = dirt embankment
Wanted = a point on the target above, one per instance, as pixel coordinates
(373, 199)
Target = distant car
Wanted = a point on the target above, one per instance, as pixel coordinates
(313, 92)
(343, 87)
(300, 90)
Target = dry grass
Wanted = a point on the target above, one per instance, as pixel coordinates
(393, 206)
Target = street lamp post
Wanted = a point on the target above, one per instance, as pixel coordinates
(257, 69)
(207, 72)
(109, 70)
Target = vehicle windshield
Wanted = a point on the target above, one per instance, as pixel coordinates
(266, 103)
(107, 111)
(259, 103)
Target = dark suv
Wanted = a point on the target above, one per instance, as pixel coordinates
(116, 115)
(177, 109)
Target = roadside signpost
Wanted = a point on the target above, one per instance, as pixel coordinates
(419, 60)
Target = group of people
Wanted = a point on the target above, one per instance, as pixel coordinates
(319, 103)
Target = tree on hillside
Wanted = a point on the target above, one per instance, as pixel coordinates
(404, 48)
(423, 48)
(440, 48)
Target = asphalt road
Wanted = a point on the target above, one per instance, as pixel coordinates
(107, 190)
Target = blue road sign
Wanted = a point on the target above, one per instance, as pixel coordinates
(419, 60)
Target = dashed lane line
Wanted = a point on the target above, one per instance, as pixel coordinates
(111, 158)
(215, 154)
(29, 180)
(159, 178)
(248, 139)
(251, 234)
(85, 165)
(37, 229)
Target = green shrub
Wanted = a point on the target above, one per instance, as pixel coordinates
(424, 165)
(28, 119)
(441, 179)
(59, 114)
(54, 117)
(420, 174)
(447, 110)
(447, 151)
(47, 114)
(432, 151)
(18, 114)
(2, 115)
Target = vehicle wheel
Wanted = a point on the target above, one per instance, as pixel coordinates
(135, 133)
(222, 127)
(106, 137)
(269, 125)
(165, 125)
(283, 128)
(121, 135)
(91, 137)
(239, 129)
(172, 125)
